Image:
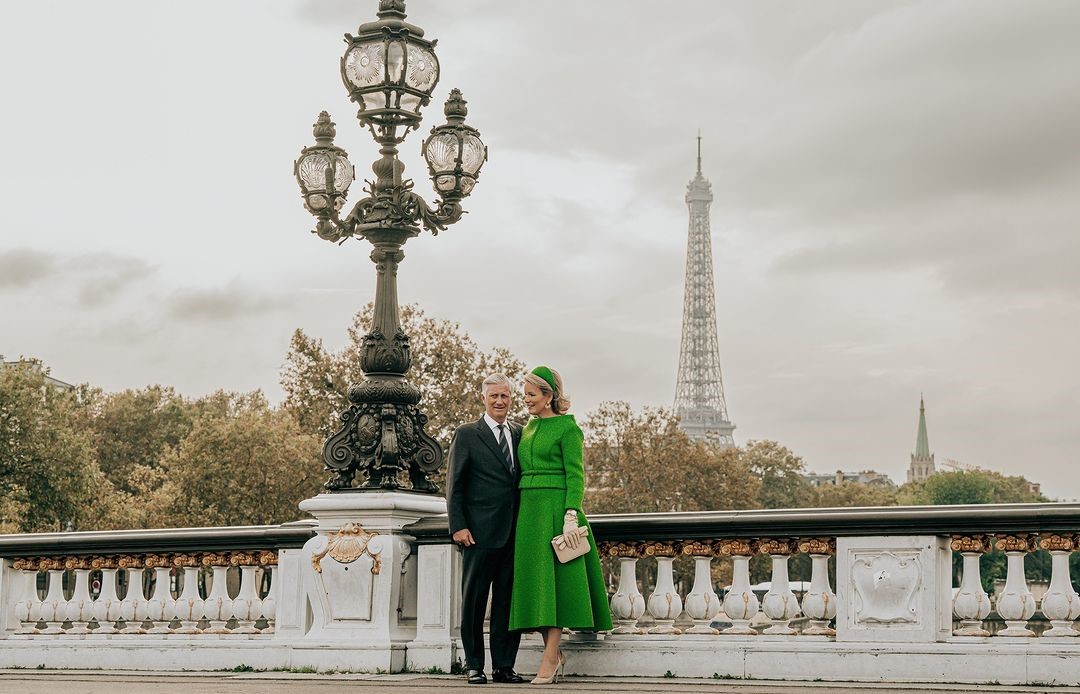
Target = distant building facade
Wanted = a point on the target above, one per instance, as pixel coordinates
(922, 460)
(31, 364)
(871, 478)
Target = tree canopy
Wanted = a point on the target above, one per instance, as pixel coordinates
(48, 465)
(642, 461)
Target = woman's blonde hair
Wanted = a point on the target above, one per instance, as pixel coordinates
(560, 403)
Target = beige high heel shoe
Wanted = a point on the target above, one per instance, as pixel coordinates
(554, 675)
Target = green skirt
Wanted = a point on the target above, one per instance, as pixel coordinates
(546, 592)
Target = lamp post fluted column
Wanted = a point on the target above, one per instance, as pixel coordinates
(390, 71)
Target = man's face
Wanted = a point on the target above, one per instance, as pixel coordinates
(497, 401)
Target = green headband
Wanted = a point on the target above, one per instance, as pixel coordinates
(545, 373)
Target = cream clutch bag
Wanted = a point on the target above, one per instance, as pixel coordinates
(563, 551)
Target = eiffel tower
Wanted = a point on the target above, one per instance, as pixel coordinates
(699, 390)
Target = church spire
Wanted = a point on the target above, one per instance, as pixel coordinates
(922, 460)
(922, 442)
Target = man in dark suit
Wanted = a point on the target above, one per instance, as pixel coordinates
(482, 506)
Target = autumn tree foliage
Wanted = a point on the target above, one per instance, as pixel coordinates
(49, 476)
(640, 461)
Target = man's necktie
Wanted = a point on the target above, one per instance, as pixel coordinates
(505, 448)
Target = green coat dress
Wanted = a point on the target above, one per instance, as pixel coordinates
(546, 592)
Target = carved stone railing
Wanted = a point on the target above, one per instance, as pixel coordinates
(891, 608)
(179, 583)
(373, 584)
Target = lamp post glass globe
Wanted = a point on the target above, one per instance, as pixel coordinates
(454, 151)
(323, 170)
(390, 70)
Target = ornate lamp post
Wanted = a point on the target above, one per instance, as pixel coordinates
(390, 70)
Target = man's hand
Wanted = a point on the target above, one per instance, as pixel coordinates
(463, 537)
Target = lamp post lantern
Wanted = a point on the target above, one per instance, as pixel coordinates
(390, 70)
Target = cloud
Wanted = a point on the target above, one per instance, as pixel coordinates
(23, 267)
(224, 303)
(98, 277)
(104, 276)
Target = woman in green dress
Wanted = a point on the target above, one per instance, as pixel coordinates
(549, 595)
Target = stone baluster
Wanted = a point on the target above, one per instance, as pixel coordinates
(779, 604)
(269, 604)
(218, 606)
(740, 603)
(107, 605)
(1061, 604)
(819, 603)
(247, 607)
(971, 604)
(133, 606)
(664, 603)
(161, 606)
(54, 606)
(80, 608)
(188, 607)
(27, 598)
(1016, 604)
(702, 602)
(627, 604)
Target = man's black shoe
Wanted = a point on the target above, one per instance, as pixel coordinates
(506, 675)
(476, 677)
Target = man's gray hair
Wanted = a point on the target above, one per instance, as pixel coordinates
(495, 379)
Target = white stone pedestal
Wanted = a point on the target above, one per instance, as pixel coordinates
(438, 616)
(354, 573)
(10, 592)
(894, 589)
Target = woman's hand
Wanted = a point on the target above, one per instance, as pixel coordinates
(569, 528)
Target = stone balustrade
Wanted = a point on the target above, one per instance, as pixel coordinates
(373, 584)
(149, 604)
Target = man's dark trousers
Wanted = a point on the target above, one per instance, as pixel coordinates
(483, 497)
(482, 568)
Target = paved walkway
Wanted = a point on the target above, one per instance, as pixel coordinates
(90, 682)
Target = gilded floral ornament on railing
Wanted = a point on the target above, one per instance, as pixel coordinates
(128, 561)
(775, 546)
(243, 559)
(99, 562)
(1059, 543)
(696, 548)
(1020, 542)
(212, 559)
(625, 550)
(817, 545)
(163, 561)
(970, 543)
(346, 546)
(736, 548)
(659, 549)
(103, 562)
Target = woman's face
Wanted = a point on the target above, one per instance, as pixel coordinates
(535, 401)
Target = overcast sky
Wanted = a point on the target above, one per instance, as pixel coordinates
(896, 210)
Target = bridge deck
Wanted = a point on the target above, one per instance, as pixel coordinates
(91, 682)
